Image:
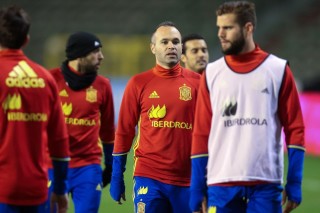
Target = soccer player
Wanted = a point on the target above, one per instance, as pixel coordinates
(161, 103)
(195, 55)
(245, 99)
(31, 122)
(87, 104)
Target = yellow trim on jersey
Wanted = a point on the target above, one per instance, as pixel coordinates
(297, 147)
(119, 154)
(136, 145)
(133, 185)
(199, 156)
(60, 159)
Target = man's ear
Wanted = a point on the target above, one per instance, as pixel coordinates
(26, 41)
(184, 58)
(152, 48)
(249, 27)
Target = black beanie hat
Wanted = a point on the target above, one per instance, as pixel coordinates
(80, 44)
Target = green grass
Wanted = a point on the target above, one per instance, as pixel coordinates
(310, 190)
(310, 186)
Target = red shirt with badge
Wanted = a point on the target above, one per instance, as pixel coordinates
(89, 115)
(161, 102)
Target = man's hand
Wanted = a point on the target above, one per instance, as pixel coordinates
(59, 202)
(198, 186)
(117, 189)
(106, 175)
(289, 205)
(292, 193)
(108, 161)
(204, 205)
(204, 208)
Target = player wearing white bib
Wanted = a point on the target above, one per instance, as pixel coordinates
(245, 99)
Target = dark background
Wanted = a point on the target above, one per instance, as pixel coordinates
(289, 29)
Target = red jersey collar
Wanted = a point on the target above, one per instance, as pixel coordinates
(11, 52)
(246, 62)
(167, 73)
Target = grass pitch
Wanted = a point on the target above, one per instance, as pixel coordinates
(310, 189)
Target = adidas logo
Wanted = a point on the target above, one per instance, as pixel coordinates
(265, 91)
(23, 76)
(154, 94)
(63, 93)
(96, 43)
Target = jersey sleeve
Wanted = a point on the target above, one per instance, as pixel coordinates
(290, 113)
(57, 131)
(202, 123)
(128, 119)
(107, 130)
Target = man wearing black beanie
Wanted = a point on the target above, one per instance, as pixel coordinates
(87, 104)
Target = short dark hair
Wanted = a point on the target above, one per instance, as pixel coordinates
(14, 27)
(244, 11)
(163, 24)
(190, 37)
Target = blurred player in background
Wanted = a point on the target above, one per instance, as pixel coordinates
(245, 99)
(31, 122)
(87, 104)
(195, 55)
(161, 102)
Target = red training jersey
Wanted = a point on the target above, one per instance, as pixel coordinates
(89, 115)
(31, 119)
(162, 103)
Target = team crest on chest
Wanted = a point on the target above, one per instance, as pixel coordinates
(91, 95)
(185, 93)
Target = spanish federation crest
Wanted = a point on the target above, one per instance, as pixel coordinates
(141, 207)
(91, 95)
(185, 93)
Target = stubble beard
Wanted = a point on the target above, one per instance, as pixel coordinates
(87, 69)
(236, 46)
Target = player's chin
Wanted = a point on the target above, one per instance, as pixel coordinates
(173, 59)
(201, 65)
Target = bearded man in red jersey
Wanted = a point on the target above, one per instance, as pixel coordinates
(87, 104)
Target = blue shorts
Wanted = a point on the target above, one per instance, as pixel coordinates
(84, 185)
(157, 197)
(247, 199)
(50, 189)
(7, 208)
